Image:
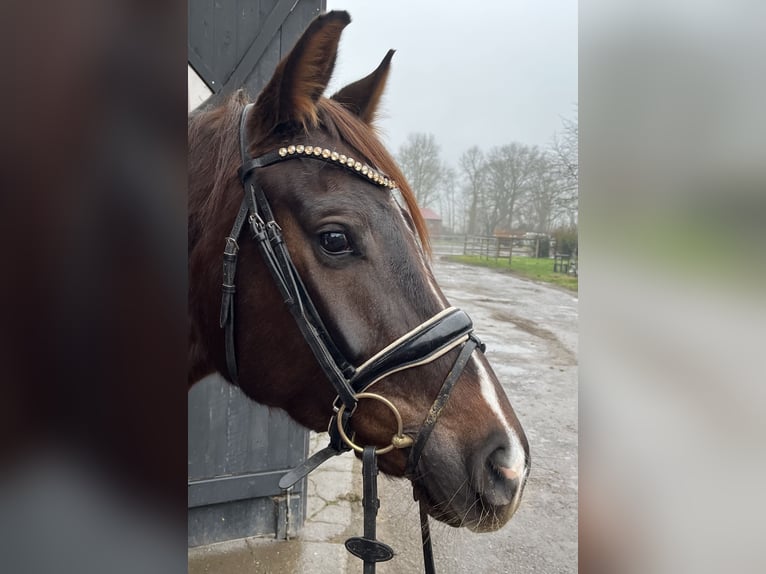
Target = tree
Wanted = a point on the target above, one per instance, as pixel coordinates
(422, 166)
(474, 168)
(510, 169)
(565, 150)
(545, 197)
(451, 204)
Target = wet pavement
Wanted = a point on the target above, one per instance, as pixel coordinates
(530, 330)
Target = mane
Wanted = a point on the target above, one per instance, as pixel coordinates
(213, 156)
(212, 134)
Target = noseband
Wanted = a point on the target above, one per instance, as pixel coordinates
(445, 331)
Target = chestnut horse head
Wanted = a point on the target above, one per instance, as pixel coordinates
(360, 257)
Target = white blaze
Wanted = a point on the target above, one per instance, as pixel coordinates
(488, 392)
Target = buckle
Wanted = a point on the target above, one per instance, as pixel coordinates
(258, 225)
(337, 404)
(274, 232)
(232, 247)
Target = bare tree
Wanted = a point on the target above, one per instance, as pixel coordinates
(474, 167)
(510, 169)
(546, 195)
(565, 150)
(420, 161)
(451, 204)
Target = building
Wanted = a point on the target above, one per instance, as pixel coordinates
(433, 221)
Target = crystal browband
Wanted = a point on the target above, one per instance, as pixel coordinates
(341, 159)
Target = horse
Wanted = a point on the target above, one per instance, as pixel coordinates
(356, 245)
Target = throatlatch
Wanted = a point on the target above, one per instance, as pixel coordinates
(447, 330)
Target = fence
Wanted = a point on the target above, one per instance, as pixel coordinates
(486, 246)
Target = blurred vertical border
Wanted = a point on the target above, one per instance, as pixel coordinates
(93, 252)
(672, 271)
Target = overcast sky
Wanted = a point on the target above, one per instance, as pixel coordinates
(485, 74)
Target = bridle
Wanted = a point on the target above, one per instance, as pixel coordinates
(445, 331)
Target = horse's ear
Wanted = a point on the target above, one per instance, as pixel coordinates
(362, 97)
(302, 76)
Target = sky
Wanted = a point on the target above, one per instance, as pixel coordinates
(493, 73)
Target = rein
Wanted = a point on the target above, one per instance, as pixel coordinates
(445, 331)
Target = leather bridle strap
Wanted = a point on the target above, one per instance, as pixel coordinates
(425, 533)
(367, 547)
(425, 432)
(268, 236)
(283, 271)
(229, 288)
(439, 403)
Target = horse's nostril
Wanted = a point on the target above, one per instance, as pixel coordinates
(499, 457)
(510, 474)
(500, 483)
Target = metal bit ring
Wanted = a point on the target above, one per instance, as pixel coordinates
(399, 440)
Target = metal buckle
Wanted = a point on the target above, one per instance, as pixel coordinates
(231, 242)
(257, 223)
(337, 404)
(274, 232)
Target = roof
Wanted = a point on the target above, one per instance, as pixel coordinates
(430, 214)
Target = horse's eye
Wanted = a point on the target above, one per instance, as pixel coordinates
(335, 242)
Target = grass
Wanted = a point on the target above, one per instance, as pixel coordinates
(529, 267)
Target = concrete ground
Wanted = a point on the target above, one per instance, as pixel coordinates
(334, 494)
(530, 330)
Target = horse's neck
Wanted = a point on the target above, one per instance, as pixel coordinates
(199, 363)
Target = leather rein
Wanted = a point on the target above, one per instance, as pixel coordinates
(445, 331)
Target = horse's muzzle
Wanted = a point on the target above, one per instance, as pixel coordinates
(480, 490)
